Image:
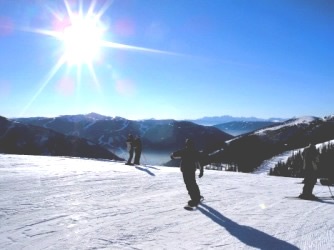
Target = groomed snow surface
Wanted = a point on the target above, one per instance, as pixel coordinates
(70, 203)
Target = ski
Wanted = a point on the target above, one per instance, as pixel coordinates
(316, 199)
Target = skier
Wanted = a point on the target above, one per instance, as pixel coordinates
(129, 144)
(138, 147)
(310, 167)
(189, 162)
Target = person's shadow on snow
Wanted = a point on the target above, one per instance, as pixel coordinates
(145, 170)
(248, 235)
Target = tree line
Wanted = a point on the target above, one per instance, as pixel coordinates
(294, 166)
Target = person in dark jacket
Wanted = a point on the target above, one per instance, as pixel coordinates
(130, 148)
(189, 162)
(310, 167)
(138, 147)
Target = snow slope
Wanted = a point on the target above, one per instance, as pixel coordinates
(265, 167)
(293, 122)
(72, 203)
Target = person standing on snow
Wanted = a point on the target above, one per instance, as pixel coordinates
(310, 167)
(129, 145)
(189, 162)
(138, 147)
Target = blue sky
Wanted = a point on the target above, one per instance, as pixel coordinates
(227, 57)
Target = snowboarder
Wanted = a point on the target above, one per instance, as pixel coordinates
(310, 167)
(189, 162)
(138, 147)
(129, 145)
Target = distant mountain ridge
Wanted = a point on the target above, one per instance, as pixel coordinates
(250, 150)
(18, 138)
(111, 132)
(242, 127)
(215, 120)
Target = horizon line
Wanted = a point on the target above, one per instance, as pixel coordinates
(152, 118)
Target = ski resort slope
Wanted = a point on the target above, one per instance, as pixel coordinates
(266, 165)
(71, 203)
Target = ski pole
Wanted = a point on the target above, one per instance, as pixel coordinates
(142, 153)
(330, 191)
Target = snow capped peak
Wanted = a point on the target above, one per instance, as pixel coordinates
(329, 118)
(72, 118)
(304, 119)
(97, 117)
(118, 118)
(289, 123)
(78, 118)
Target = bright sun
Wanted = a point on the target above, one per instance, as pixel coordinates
(82, 40)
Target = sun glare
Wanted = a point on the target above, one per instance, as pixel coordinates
(82, 41)
(81, 38)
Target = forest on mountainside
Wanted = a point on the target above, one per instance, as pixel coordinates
(293, 167)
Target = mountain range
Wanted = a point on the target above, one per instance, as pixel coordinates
(250, 150)
(19, 138)
(158, 136)
(247, 151)
(242, 127)
(215, 120)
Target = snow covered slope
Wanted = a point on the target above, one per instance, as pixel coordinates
(250, 150)
(305, 120)
(72, 203)
(265, 167)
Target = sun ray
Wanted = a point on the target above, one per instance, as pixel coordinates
(91, 8)
(92, 71)
(81, 34)
(69, 11)
(129, 47)
(80, 8)
(52, 33)
(54, 13)
(103, 10)
(49, 76)
(78, 88)
(79, 76)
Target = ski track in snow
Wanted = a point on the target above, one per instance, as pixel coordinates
(73, 203)
(90, 124)
(101, 140)
(124, 126)
(46, 124)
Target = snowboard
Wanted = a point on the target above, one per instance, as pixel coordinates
(190, 208)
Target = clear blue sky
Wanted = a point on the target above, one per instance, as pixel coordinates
(228, 57)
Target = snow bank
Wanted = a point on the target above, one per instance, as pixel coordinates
(71, 203)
